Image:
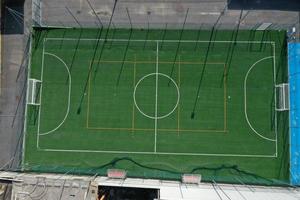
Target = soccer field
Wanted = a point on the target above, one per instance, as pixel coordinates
(167, 101)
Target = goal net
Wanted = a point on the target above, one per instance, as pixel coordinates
(282, 91)
(33, 92)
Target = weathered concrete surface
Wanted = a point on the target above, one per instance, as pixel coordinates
(160, 12)
(12, 91)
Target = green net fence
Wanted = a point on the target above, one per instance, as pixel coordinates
(221, 174)
(76, 149)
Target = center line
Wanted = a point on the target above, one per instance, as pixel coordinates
(156, 95)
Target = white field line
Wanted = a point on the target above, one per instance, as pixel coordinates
(176, 41)
(156, 97)
(41, 92)
(69, 97)
(275, 95)
(26, 105)
(159, 153)
(245, 99)
(290, 136)
(136, 104)
(33, 90)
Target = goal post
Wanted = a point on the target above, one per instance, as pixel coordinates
(33, 92)
(282, 95)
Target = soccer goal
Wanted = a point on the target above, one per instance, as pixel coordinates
(33, 92)
(282, 91)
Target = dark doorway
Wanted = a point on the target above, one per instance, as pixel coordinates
(127, 193)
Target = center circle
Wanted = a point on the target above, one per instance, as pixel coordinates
(169, 86)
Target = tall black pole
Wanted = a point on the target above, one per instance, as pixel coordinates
(100, 24)
(178, 46)
(113, 36)
(73, 17)
(125, 53)
(88, 75)
(147, 33)
(93, 61)
(198, 37)
(97, 17)
(77, 43)
(106, 34)
(204, 66)
(163, 36)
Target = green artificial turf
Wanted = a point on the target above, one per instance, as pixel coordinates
(165, 103)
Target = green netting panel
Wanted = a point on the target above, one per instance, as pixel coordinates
(221, 174)
(217, 143)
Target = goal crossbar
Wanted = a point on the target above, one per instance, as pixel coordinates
(33, 92)
(282, 91)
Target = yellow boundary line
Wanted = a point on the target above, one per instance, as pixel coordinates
(162, 129)
(178, 114)
(153, 62)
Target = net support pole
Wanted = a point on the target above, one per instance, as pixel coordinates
(204, 65)
(232, 45)
(129, 18)
(198, 37)
(147, 33)
(26, 55)
(19, 103)
(163, 36)
(106, 35)
(77, 43)
(126, 49)
(113, 35)
(265, 35)
(69, 11)
(100, 24)
(238, 27)
(91, 67)
(178, 45)
(63, 36)
(74, 54)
